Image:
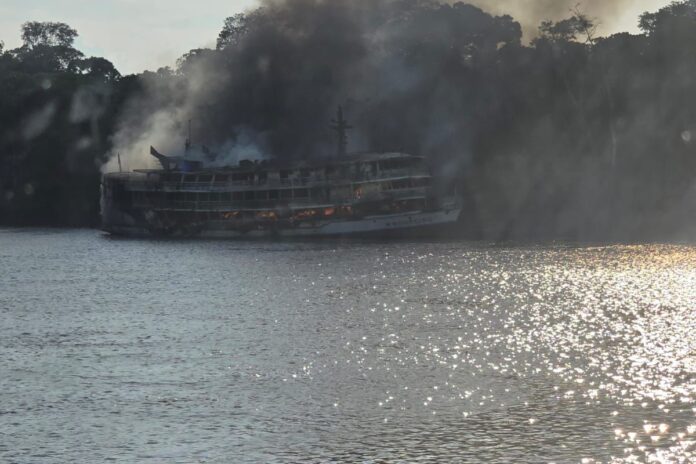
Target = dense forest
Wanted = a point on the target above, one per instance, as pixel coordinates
(571, 136)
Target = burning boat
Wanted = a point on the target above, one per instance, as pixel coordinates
(344, 195)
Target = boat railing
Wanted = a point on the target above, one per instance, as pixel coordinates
(397, 194)
(308, 202)
(226, 205)
(138, 182)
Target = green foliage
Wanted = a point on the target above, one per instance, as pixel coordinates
(187, 63)
(568, 29)
(48, 34)
(233, 30)
(98, 67)
(679, 14)
(56, 115)
(48, 58)
(574, 136)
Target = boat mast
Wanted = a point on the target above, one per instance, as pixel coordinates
(341, 126)
(188, 140)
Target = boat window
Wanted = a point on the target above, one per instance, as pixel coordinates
(205, 178)
(284, 174)
(243, 177)
(401, 184)
(189, 178)
(237, 196)
(222, 178)
(171, 178)
(286, 194)
(273, 194)
(249, 195)
(301, 193)
(262, 195)
(398, 163)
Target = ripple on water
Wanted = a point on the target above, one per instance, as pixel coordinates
(346, 351)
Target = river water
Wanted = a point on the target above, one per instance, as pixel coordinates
(344, 351)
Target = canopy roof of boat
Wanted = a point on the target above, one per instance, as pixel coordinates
(276, 164)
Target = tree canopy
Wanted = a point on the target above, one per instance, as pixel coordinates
(48, 34)
(57, 109)
(573, 135)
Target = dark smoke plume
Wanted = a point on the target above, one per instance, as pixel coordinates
(572, 135)
(403, 70)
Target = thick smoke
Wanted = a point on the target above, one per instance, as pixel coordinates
(284, 67)
(398, 67)
(571, 136)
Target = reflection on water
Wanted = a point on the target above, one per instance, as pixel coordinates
(345, 351)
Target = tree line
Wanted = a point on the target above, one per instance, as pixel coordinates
(572, 136)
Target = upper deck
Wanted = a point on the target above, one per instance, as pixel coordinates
(356, 169)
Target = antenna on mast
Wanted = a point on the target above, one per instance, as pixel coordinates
(188, 140)
(119, 161)
(341, 126)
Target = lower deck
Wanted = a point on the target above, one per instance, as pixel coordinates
(400, 222)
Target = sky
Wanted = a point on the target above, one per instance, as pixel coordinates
(147, 34)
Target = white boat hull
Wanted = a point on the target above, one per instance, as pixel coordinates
(384, 224)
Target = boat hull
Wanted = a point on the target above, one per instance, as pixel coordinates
(422, 222)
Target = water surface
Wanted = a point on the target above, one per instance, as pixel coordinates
(204, 351)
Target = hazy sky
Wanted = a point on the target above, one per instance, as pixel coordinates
(146, 34)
